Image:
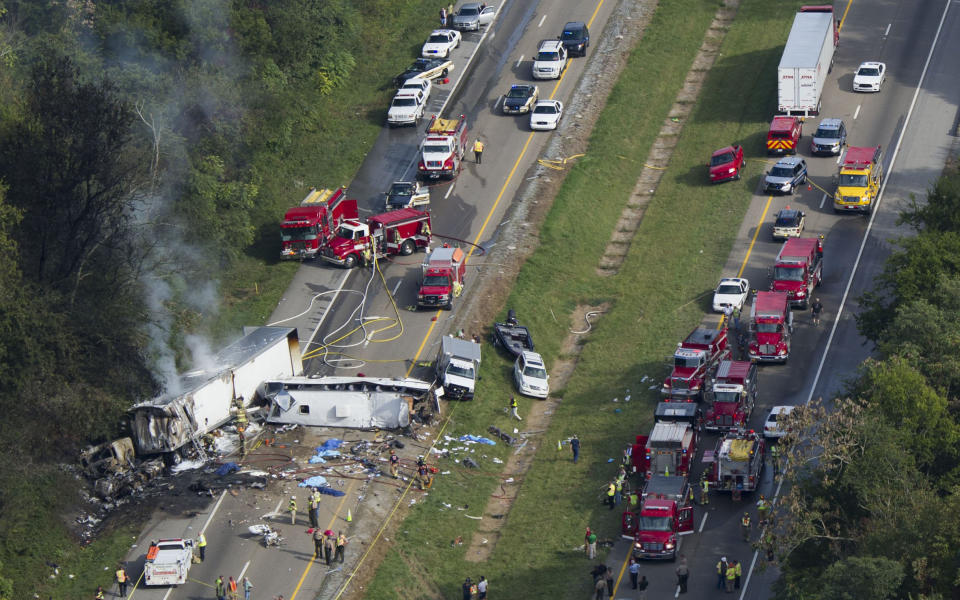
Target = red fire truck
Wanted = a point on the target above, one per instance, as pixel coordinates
(734, 393)
(442, 278)
(771, 326)
(703, 349)
(663, 515)
(306, 227)
(668, 450)
(798, 269)
(442, 151)
(396, 232)
(737, 462)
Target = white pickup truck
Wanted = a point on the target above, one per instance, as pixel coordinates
(168, 562)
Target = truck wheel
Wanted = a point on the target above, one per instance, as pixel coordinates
(350, 262)
(407, 248)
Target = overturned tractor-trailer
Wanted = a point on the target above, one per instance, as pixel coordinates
(209, 397)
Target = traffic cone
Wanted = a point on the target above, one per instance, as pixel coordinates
(349, 516)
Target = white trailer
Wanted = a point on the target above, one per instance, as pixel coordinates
(206, 397)
(168, 562)
(806, 61)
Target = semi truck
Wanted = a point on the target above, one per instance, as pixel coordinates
(395, 232)
(807, 59)
(733, 395)
(770, 327)
(694, 357)
(307, 226)
(441, 278)
(858, 184)
(798, 269)
(442, 151)
(458, 367)
(168, 562)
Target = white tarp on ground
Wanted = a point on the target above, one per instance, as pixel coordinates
(355, 402)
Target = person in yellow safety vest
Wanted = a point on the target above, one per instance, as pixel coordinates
(634, 499)
(367, 255)
(618, 491)
(775, 459)
(202, 544)
(737, 572)
(731, 577)
(99, 595)
(425, 231)
(705, 493)
(721, 572)
(293, 510)
(394, 464)
(122, 581)
(478, 150)
(314, 511)
(763, 509)
(457, 289)
(745, 526)
(611, 492)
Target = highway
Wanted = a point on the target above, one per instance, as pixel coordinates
(323, 302)
(916, 123)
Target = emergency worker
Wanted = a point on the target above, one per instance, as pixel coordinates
(745, 526)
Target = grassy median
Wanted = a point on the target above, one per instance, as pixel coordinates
(659, 295)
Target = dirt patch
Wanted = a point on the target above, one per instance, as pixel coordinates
(659, 157)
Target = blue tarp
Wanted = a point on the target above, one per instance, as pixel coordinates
(481, 440)
(328, 453)
(316, 459)
(315, 481)
(331, 444)
(330, 491)
(227, 468)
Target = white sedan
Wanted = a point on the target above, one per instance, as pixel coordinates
(772, 426)
(732, 291)
(440, 43)
(869, 77)
(546, 114)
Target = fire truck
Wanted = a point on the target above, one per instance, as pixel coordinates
(442, 151)
(737, 462)
(306, 227)
(396, 232)
(798, 269)
(442, 278)
(861, 173)
(771, 326)
(663, 515)
(694, 357)
(668, 450)
(734, 394)
(784, 135)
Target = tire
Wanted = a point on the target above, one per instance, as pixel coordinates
(737, 176)
(407, 248)
(350, 261)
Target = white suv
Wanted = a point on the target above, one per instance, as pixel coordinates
(550, 60)
(530, 375)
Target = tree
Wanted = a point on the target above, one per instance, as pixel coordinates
(862, 578)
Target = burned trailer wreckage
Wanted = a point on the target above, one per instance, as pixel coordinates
(208, 398)
(353, 402)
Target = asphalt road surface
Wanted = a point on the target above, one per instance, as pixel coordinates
(916, 123)
(323, 301)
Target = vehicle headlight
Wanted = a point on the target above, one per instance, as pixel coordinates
(668, 546)
(731, 170)
(801, 293)
(782, 352)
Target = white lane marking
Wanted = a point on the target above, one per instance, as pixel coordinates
(449, 191)
(544, 18)
(242, 571)
(863, 243)
(276, 511)
(857, 113)
(167, 595)
(887, 32)
(496, 106)
(519, 60)
(396, 287)
(214, 511)
(703, 522)
(839, 156)
(824, 199)
(676, 594)
(327, 311)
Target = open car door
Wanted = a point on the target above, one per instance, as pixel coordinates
(685, 520)
(629, 525)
